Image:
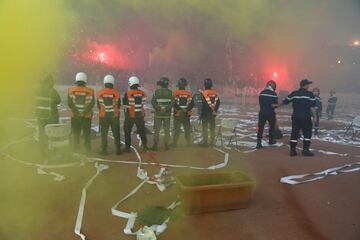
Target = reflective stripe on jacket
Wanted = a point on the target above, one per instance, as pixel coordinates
(183, 102)
(108, 102)
(81, 98)
(136, 99)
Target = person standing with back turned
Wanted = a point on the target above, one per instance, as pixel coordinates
(183, 105)
(81, 102)
(134, 100)
(304, 107)
(210, 106)
(108, 101)
(268, 101)
(162, 102)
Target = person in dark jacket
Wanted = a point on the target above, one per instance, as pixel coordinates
(318, 107)
(304, 103)
(268, 101)
(47, 101)
(162, 102)
(330, 110)
(209, 109)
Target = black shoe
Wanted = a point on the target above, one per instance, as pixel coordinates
(272, 142)
(145, 149)
(293, 153)
(154, 148)
(307, 153)
(128, 149)
(259, 146)
(316, 132)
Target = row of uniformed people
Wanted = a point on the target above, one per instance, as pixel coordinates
(81, 100)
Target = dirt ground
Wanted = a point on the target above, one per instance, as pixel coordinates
(35, 206)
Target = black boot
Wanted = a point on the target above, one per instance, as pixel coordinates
(259, 145)
(154, 148)
(293, 152)
(306, 150)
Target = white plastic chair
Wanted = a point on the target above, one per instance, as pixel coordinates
(58, 135)
(227, 129)
(354, 127)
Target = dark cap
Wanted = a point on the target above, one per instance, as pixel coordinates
(305, 82)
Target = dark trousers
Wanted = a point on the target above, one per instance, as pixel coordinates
(158, 123)
(185, 122)
(43, 139)
(271, 119)
(208, 123)
(330, 110)
(78, 125)
(317, 123)
(105, 125)
(305, 125)
(140, 125)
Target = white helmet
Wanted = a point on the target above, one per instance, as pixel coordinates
(134, 80)
(109, 79)
(81, 77)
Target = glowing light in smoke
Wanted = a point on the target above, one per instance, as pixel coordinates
(275, 74)
(356, 43)
(106, 54)
(339, 61)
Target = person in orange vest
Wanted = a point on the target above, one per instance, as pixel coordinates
(109, 102)
(209, 109)
(134, 100)
(183, 105)
(81, 101)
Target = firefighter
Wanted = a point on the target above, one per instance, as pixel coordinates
(210, 106)
(183, 106)
(162, 102)
(109, 102)
(304, 103)
(47, 100)
(318, 107)
(81, 101)
(268, 101)
(331, 105)
(134, 100)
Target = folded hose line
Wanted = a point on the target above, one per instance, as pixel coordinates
(310, 177)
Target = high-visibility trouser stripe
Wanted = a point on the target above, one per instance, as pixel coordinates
(183, 107)
(109, 110)
(109, 106)
(43, 108)
(79, 105)
(294, 141)
(138, 105)
(138, 110)
(307, 139)
(131, 99)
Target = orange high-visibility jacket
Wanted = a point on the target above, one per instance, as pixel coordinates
(81, 99)
(108, 102)
(134, 102)
(183, 102)
(211, 96)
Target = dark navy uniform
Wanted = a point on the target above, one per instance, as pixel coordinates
(302, 100)
(267, 99)
(331, 106)
(318, 106)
